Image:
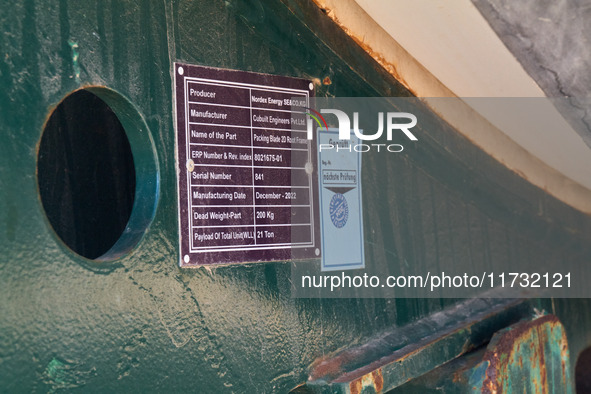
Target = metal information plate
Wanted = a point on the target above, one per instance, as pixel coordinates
(247, 180)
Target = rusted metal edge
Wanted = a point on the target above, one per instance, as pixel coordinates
(404, 353)
(530, 356)
(536, 345)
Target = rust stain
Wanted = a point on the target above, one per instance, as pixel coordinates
(326, 366)
(374, 380)
(378, 380)
(331, 366)
(355, 386)
(316, 81)
(388, 66)
(564, 356)
(505, 350)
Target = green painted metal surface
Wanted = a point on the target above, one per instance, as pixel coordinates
(140, 323)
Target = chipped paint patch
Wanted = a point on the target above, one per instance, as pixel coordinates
(75, 57)
(530, 356)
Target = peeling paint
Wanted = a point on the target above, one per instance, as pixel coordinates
(542, 342)
(75, 56)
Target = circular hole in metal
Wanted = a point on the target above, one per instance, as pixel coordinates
(87, 171)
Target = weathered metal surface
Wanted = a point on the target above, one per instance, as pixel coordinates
(531, 356)
(528, 357)
(139, 322)
(397, 356)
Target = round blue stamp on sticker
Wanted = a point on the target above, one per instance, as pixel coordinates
(339, 210)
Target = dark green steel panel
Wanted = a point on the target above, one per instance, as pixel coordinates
(141, 323)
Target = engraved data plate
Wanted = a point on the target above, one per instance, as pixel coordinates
(247, 179)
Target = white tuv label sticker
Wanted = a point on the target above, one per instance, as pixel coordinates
(341, 224)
